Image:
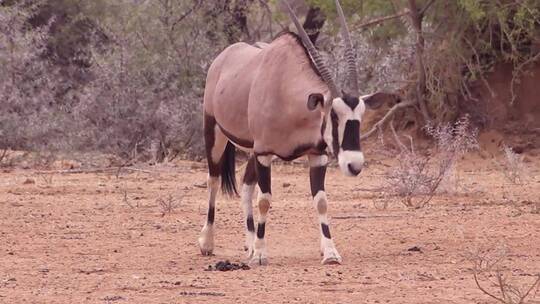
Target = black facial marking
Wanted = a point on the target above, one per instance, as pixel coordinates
(211, 213)
(260, 230)
(263, 174)
(351, 136)
(325, 231)
(335, 134)
(351, 101)
(316, 179)
(250, 175)
(250, 224)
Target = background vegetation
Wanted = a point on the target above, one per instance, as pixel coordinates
(127, 76)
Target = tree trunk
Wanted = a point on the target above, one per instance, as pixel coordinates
(416, 19)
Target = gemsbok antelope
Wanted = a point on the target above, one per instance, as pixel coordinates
(280, 99)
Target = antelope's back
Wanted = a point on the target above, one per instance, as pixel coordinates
(227, 87)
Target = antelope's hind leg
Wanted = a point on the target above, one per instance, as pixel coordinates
(317, 173)
(215, 143)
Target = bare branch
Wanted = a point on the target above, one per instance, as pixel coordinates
(535, 284)
(186, 14)
(426, 7)
(475, 275)
(382, 19)
(396, 137)
(387, 116)
(516, 73)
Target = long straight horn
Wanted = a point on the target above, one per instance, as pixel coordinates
(317, 59)
(350, 57)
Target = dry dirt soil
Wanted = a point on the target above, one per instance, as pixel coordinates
(97, 238)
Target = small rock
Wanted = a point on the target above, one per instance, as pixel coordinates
(286, 185)
(415, 248)
(29, 181)
(113, 298)
(200, 185)
(518, 149)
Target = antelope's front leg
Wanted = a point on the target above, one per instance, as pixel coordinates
(260, 256)
(317, 173)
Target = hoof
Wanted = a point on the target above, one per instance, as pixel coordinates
(331, 261)
(249, 246)
(206, 241)
(258, 261)
(331, 257)
(249, 252)
(206, 252)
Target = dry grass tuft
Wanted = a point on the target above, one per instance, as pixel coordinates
(167, 205)
(492, 279)
(417, 177)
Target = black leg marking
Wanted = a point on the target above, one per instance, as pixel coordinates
(250, 175)
(211, 214)
(260, 230)
(325, 231)
(264, 178)
(316, 179)
(214, 169)
(250, 224)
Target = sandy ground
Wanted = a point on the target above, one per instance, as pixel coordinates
(96, 238)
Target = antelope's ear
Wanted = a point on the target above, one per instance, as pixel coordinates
(314, 100)
(375, 101)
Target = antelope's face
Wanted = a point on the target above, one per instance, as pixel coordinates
(343, 112)
(343, 133)
(342, 129)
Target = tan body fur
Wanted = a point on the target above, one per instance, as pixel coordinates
(259, 96)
